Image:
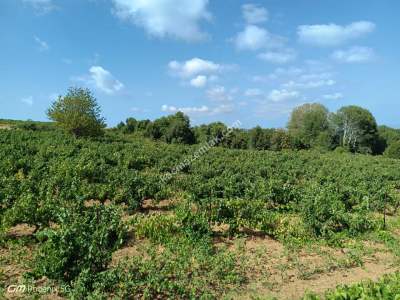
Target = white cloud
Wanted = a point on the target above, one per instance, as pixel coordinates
(354, 55)
(220, 94)
(282, 95)
(166, 18)
(193, 67)
(104, 80)
(255, 38)
(279, 73)
(253, 93)
(335, 96)
(254, 14)
(308, 84)
(332, 34)
(201, 110)
(199, 81)
(41, 6)
(279, 57)
(42, 45)
(27, 100)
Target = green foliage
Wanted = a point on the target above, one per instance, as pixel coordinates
(310, 126)
(205, 133)
(194, 224)
(308, 122)
(393, 151)
(260, 139)
(173, 129)
(48, 176)
(78, 113)
(157, 228)
(181, 269)
(327, 211)
(356, 129)
(388, 288)
(389, 135)
(83, 240)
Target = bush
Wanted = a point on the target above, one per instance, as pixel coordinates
(393, 151)
(84, 241)
(180, 269)
(325, 212)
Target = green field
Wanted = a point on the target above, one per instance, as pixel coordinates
(102, 218)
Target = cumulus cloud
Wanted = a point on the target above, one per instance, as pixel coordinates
(197, 72)
(333, 35)
(279, 56)
(199, 81)
(255, 38)
(254, 14)
(42, 45)
(27, 100)
(41, 6)
(335, 96)
(104, 80)
(282, 95)
(193, 67)
(166, 18)
(354, 55)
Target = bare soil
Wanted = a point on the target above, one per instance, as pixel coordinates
(272, 269)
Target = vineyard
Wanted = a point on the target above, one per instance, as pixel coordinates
(98, 218)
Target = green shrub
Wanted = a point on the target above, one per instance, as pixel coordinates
(84, 240)
(157, 228)
(325, 212)
(193, 223)
(181, 269)
(393, 150)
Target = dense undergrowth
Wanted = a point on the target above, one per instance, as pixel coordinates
(47, 179)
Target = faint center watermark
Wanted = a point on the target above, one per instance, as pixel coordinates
(200, 152)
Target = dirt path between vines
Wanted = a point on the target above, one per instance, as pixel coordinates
(273, 272)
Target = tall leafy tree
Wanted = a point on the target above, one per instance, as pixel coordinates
(171, 129)
(307, 122)
(259, 138)
(78, 113)
(356, 129)
(179, 130)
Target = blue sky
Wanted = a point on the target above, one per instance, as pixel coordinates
(227, 60)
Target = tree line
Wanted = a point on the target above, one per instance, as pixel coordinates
(310, 126)
(351, 128)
